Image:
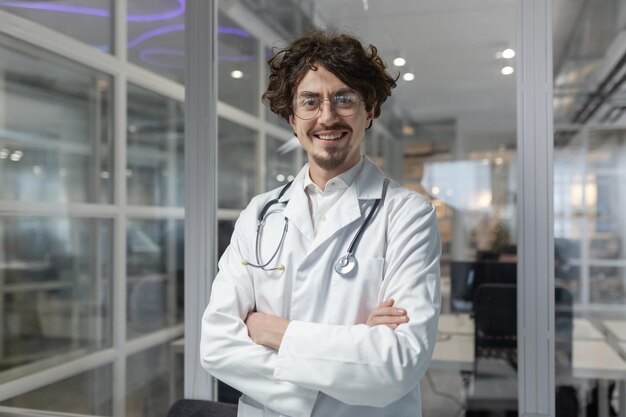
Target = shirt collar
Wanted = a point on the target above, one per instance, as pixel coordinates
(343, 180)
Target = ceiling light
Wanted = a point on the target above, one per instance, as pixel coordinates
(16, 156)
(508, 53)
(236, 74)
(435, 190)
(508, 70)
(4, 153)
(399, 62)
(280, 178)
(290, 178)
(409, 76)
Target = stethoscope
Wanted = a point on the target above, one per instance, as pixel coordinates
(343, 266)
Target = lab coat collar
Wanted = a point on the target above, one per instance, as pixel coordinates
(367, 186)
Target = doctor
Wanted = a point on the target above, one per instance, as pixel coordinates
(327, 299)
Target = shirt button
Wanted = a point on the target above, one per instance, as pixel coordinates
(322, 218)
(332, 183)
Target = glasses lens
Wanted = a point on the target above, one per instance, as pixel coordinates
(306, 107)
(344, 102)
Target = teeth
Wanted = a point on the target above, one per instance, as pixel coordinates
(330, 137)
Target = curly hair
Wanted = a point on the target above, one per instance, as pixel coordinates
(358, 67)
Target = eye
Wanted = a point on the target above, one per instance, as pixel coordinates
(345, 99)
(308, 102)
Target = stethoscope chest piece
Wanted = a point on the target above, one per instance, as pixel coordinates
(345, 264)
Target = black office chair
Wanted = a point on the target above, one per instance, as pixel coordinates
(492, 388)
(495, 318)
(202, 408)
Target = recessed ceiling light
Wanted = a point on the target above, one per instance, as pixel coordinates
(508, 70)
(508, 53)
(399, 62)
(435, 190)
(409, 76)
(236, 74)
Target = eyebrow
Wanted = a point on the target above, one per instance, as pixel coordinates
(313, 94)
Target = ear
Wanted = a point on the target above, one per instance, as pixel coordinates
(370, 113)
(292, 122)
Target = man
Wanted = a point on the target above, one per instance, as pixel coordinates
(327, 299)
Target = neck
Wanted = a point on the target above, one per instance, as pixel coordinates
(321, 176)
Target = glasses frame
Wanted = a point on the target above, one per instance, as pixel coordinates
(332, 104)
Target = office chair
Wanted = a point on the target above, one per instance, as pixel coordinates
(495, 318)
(492, 388)
(201, 408)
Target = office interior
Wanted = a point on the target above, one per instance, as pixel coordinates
(92, 189)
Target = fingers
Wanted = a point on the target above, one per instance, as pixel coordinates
(387, 303)
(387, 315)
(387, 320)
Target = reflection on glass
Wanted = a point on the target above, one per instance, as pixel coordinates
(55, 288)
(88, 393)
(590, 219)
(56, 134)
(281, 165)
(155, 170)
(89, 21)
(237, 148)
(154, 275)
(154, 380)
(156, 36)
(238, 66)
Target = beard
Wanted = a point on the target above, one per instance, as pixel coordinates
(335, 157)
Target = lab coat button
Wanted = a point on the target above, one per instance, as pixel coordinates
(322, 218)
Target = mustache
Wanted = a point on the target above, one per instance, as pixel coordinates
(336, 126)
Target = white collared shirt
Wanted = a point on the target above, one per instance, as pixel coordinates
(321, 201)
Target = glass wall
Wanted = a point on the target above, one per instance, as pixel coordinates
(88, 21)
(589, 215)
(91, 216)
(156, 38)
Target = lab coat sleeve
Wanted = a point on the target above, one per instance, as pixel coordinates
(228, 353)
(375, 366)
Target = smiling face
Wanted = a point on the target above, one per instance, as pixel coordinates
(332, 142)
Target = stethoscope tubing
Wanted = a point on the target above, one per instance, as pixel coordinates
(344, 264)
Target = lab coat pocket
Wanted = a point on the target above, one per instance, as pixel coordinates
(357, 292)
(247, 407)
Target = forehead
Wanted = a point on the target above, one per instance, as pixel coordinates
(320, 81)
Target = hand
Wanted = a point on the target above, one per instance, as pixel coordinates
(265, 329)
(387, 315)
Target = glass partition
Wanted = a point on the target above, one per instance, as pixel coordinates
(238, 166)
(89, 21)
(238, 67)
(154, 275)
(56, 141)
(589, 214)
(156, 36)
(155, 169)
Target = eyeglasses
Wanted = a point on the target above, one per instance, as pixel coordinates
(344, 102)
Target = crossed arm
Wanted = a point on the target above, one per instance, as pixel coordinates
(268, 330)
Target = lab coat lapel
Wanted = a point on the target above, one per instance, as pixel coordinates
(350, 207)
(297, 209)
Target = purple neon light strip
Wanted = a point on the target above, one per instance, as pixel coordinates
(146, 56)
(179, 27)
(97, 12)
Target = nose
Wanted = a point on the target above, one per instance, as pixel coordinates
(327, 115)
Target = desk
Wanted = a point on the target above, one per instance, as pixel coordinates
(617, 328)
(592, 356)
(463, 324)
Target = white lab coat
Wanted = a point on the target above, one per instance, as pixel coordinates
(330, 363)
